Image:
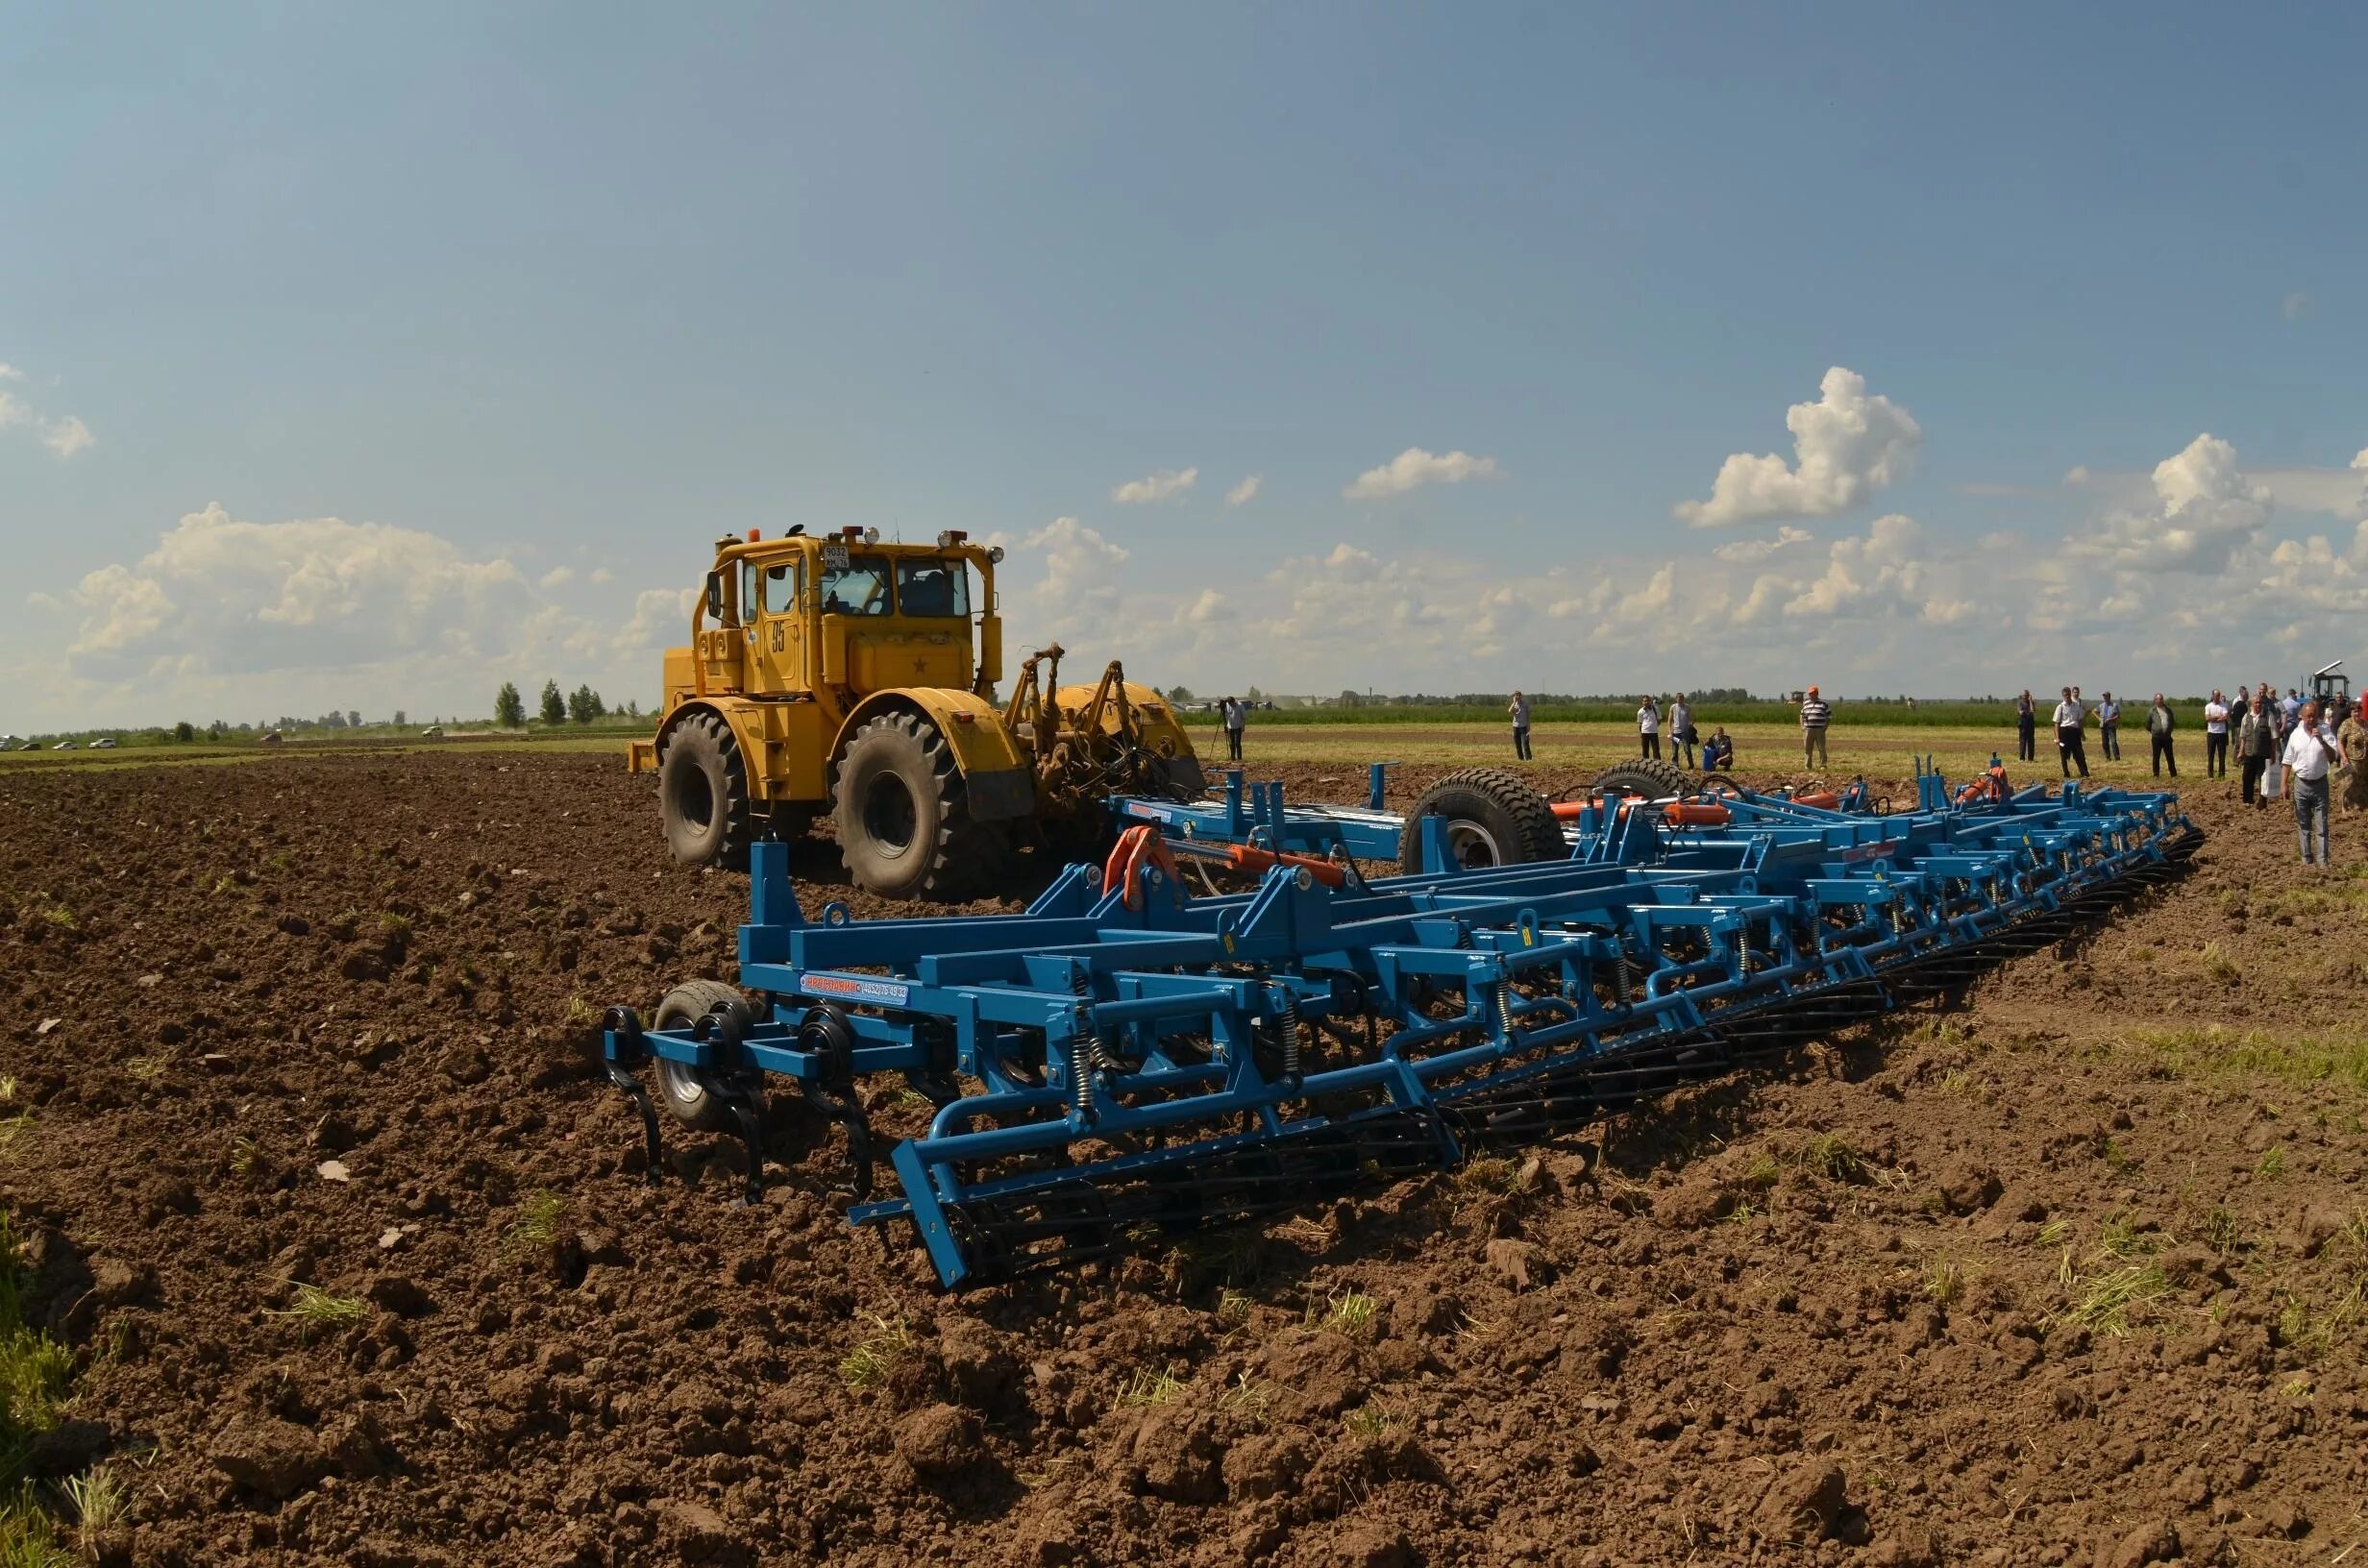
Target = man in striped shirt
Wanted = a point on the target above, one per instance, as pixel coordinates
(1815, 717)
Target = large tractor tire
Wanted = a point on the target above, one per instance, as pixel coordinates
(1652, 777)
(1493, 819)
(905, 829)
(687, 1093)
(702, 793)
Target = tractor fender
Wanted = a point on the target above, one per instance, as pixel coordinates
(1156, 726)
(746, 722)
(996, 772)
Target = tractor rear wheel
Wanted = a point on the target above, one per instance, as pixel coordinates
(690, 1096)
(702, 793)
(1493, 819)
(1652, 777)
(902, 814)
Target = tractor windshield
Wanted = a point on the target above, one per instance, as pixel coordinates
(860, 587)
(933, 588)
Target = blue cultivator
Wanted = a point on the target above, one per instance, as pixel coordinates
(1125, 1062)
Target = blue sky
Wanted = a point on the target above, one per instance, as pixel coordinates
(447, 312)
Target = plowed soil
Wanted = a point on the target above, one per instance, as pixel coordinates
(316, 1170)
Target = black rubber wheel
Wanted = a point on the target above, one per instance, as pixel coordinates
(1494, 816)
(1651, 777)
(689, 1095)
(702, 793)
(902, 814)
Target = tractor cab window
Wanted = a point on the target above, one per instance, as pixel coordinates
(780, 587)
(933, 588)
(857, 587)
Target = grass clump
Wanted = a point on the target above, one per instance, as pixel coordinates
(1350, 1315)
(2103, 1303)
(319, 1311)
(2219, 967)
(1830, 1155)
(1369, 1421)
(876, 1355)
(1233, 1308)
(1247, 1398)
(540, 1220)
(1147, 1387)
(2273, 1164)
(1945, 1281)
(102, 1503)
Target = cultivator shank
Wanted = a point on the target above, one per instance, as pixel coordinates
(1124, 1062)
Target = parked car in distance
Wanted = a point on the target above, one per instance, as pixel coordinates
(105, 743)
(63, 745)
(434, 732)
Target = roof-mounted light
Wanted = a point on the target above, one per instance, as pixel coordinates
(871, 536)
(995, 554)
(950, 537)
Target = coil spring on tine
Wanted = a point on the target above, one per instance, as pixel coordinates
(1288, 1022)
(1504, 1006)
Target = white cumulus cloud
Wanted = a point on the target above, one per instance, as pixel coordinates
(2203, 509)
(1163, 484)
(1416, 467)
(1243, 493)
(1846, 445)
(1746, 550)
(65, 435)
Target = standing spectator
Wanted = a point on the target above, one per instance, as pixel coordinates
(2026, 727)
(2293, 705)
(2311, 753)
(1815, 717)
(2352, 738)
(2071, 747)
(1648, 728)
(1681, 733)
(1237, 716)
(2158, 727)
(2109, 728)
(2257, 743)
(1519, 709)
(2215, 737)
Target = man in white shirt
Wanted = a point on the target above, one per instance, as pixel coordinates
(2070, 745)
(1681, 733)
(2312, 755)
(1648, 728)
(2216, 736)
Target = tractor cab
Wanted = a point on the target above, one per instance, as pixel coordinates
(2331, 689)
(835, 618)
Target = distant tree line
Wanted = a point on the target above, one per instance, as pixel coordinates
(582, 706)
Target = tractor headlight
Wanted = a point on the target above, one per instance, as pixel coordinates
(871, 536)
(995, 554)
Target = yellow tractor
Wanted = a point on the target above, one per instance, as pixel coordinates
(837, 673)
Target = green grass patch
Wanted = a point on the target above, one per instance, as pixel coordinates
(2102, 1304)
(1153, 1387)
(2214, 1052)
(538, 1228)
(317, 1311)
(876, 1355)
(35, 1373)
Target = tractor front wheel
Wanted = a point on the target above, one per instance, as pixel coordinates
(902, 814)
(702, 793)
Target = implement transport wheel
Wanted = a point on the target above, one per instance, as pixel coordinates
(689, 1095)
(905, 829)
(703, 793)
(1651, 777)
(1493, 819)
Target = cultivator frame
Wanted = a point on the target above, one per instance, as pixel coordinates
(1123, 1061)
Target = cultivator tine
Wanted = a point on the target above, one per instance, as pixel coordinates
(624, 1050)
(1110, 1071)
